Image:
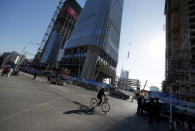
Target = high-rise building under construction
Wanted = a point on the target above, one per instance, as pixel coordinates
(180, 48)
(60, 32)
(92, 50)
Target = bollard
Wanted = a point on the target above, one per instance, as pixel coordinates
(170, 124)
(174, 125)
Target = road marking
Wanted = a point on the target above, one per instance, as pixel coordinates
(28, 110)
(84, 95)
(1, 90)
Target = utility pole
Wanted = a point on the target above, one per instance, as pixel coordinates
(145, 84)
(170, 118)
(22, 55)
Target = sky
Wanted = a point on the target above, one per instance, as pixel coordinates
(142, 34)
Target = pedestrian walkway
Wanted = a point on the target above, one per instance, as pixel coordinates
(42, 79)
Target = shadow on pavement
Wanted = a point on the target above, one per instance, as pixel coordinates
(81, 111)
(81, 105)
(139, 123)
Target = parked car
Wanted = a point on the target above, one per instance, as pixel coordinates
(57, 81)
(165, 107)
(45, 72)
(118, 94)
(68, 81)
(176, 113)
(31, 71)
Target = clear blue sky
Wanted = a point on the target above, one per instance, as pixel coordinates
(24, 21)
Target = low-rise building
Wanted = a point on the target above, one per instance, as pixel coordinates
(154, 88)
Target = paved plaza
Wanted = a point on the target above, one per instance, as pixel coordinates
(32, 105)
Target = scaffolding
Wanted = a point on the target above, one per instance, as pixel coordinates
(180, 48)
(180, 72)
(126, 84)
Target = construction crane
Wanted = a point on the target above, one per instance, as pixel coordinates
(128, 51)
(49, 28)
(145, 84)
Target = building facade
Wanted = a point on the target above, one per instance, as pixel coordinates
(92, 50)
(180, 48)
(126, 84)
(60, 32)
(154, 88)
(124, 74)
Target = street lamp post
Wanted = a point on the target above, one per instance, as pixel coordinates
(170, 92)
(170, 118)
(79, 67)
(171, 101)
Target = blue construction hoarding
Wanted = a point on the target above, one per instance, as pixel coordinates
(166, 98)
(94, 83)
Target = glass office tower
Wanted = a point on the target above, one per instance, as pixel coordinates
(92, 50)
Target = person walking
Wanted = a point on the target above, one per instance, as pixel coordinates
(48, 79)
(186, 125)
(157, 110)
(131, 98)
(151, 110)
(35, 76)
(140, 105)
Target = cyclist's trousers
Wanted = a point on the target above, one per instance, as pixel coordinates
(100, 100)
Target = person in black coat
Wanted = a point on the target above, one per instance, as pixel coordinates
(35, 76)
(140, 104)
(151, 110)
(100, 95)
(157, 110)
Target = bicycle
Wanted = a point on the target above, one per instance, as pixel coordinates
(104, 105)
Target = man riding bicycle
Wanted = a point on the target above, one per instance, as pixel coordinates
(100, 95)
(98, 101)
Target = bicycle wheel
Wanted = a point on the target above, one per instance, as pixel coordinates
(105, 107)
(93, 102)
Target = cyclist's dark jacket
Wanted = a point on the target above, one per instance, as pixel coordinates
(100, 93)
